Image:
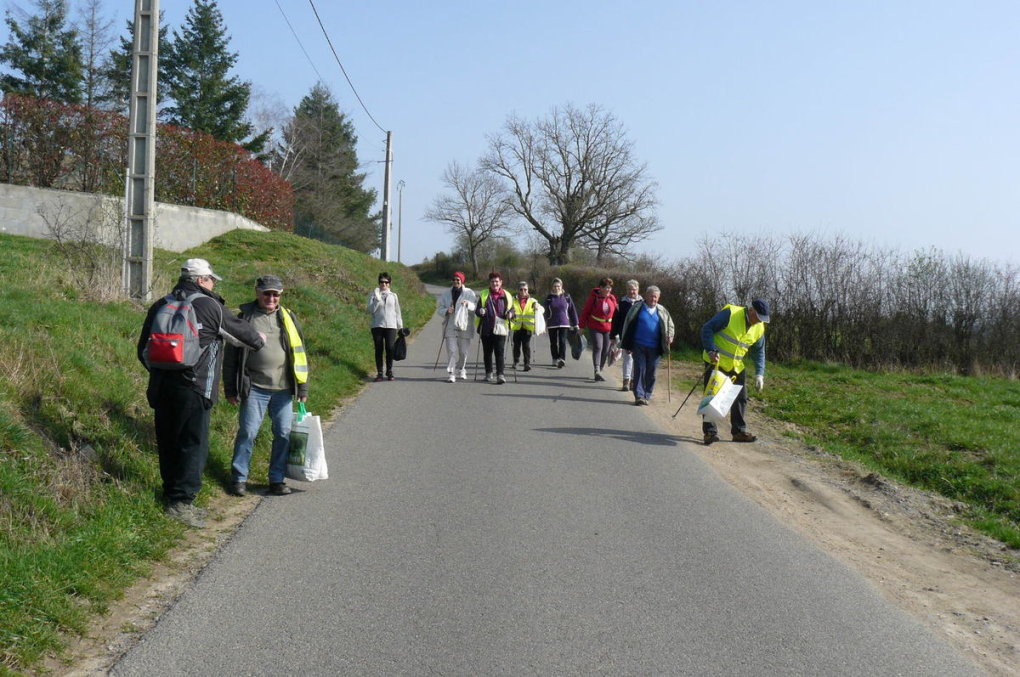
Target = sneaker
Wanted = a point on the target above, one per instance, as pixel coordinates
(490, 377)
(559, 364)
(710, 438)
(501, 379)
(626, 385)
(527, 367)
(643, 401)
(185, 513)
(237, 489)
(378, 377)
(279, 488)
(599, 376)
(389, 377)
(463, 374)
(744, 437)
(451, 379)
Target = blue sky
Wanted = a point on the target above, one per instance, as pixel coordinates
(894, 122)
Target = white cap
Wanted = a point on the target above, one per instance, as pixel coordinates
(198, 268)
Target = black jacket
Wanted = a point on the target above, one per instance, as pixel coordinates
(236, 381)
(215, 326)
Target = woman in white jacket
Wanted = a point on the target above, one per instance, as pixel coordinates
(384, 307)
(457, 306)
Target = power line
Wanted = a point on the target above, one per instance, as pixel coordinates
(294, 33)
(342, 69)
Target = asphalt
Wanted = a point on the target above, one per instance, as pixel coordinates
(541, 527)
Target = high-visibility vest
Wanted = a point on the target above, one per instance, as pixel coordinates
(483, 299)
(735, 339)
(525, 317)
(297, 348)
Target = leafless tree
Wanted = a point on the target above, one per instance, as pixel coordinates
(475, 211)
(574, 179)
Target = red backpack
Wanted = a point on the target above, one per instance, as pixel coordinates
(173, 336)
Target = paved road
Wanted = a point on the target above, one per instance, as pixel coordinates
(541, 527)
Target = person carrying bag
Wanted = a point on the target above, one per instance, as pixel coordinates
(306, 457)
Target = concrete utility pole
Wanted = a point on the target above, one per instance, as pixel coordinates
(139, 192)
(400, 217)
(384, 253)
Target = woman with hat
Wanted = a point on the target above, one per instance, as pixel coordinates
(455, 306)
(384, 307)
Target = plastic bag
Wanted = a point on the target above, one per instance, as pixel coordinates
(400, 348)
(461, 317)
(501, 327)
(720, 392)
(578, 343)
(539, 319)
(306, 457)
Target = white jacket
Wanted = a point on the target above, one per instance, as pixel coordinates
(385, 309)
(466, 305)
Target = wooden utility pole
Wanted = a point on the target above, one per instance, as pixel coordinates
(139, 192)
(384, 252)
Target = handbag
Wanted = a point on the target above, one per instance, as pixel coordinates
(399, 347)
(306, 454)
(720, 392)
(500, 328)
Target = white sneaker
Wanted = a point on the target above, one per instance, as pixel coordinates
(463, 374)
(490, 377)
(452, 379)
(501, 379)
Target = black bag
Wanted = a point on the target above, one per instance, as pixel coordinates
(399, 348)
(578, 343)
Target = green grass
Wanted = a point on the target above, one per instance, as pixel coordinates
(80, 517)
(953, 435)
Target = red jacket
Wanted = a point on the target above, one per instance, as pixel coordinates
(598, 312)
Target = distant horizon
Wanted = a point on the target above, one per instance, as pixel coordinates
(891, 125)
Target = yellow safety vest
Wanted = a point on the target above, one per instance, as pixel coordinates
(525, 317)
(483, 298)
(297, 348)
(734, 341)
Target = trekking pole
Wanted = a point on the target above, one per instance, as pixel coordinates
(478, 352)
(505, 341)
(447, 319)
(686, 398)
(669, 378)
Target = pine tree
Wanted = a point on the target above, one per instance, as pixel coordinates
(44, 55)
(318, 157)
(205, 97)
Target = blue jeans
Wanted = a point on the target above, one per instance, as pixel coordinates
(645, 361)
(253, 410)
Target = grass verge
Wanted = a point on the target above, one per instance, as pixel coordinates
(80, 517)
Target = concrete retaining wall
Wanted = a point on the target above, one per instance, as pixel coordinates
(32, 211)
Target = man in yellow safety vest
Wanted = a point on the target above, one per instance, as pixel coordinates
(733, 333)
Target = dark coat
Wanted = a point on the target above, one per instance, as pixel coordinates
(236, 381)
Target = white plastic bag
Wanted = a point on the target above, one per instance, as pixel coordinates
(720, 393)
(306, 457)
(539, 319)
(462, 317)
(501, 328)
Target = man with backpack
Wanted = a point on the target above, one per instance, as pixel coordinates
(266, 381)
(180, 346)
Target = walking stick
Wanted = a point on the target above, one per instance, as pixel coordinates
(505, 341)
(447, 319)
(669, 379)
(478, 352)
(686, 398)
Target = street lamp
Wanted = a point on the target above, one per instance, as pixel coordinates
(400, 216)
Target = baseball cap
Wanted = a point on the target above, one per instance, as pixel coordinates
(269, 283)
(198, 268)
(761, 306)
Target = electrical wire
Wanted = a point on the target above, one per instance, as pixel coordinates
(342, 69)
(294, 33)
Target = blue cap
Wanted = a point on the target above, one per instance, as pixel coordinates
(761, 306)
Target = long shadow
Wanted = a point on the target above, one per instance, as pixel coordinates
(638, 437)
(557, 398)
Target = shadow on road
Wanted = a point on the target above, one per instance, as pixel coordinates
(658, 439)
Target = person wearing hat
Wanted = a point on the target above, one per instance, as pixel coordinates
(264, 381)
(523, 324)
(455, 306)
(384, 307)
(182, 399)
(733, 333)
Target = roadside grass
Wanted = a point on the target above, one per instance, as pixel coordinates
(957, 436)
(80, 517)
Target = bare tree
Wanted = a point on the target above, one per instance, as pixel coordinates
(95, 36)
(476, 211)
(574, 179)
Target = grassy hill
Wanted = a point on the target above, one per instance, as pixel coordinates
(80, 515)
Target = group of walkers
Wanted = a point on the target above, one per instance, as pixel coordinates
(635, 327)
(265, 365)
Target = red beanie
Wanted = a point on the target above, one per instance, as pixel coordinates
(459, 275)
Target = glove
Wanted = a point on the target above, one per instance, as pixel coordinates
(759, 382)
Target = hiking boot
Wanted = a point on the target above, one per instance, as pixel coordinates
(237, 489)
(643, 401)
(378, 377)
(626, 385)
(279, 488)
(389, 376)
(710, 438)
(185, 513)
(744, 437)
(500, 380)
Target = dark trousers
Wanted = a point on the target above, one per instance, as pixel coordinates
(522, 343)
(737, 423)
(558, 343)
(182, 436)
(493, 345)
(646, 360)
(384, 338)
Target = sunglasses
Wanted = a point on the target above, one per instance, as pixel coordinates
(384, 281)
(270, 293)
